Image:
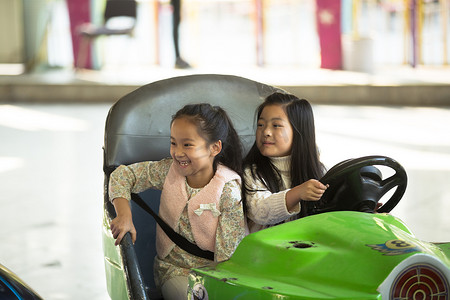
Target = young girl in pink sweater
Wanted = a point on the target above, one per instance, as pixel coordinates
(201, 194)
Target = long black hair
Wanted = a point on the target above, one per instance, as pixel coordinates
(305, 161)
(214, 124)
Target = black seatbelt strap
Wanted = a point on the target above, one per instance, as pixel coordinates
(178, 239)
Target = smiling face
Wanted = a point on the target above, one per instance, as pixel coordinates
(193, 157)
(274, 132)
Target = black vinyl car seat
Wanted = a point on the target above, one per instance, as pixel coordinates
(137, 129)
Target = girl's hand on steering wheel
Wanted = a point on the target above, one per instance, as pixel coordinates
(312, 190)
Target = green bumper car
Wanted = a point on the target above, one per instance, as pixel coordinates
(339, 252)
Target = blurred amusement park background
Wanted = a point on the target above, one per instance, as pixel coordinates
(354, 35)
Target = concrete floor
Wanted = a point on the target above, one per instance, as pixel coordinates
(51, 182)
(51, 200)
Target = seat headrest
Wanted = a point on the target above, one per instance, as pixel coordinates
(138, 124)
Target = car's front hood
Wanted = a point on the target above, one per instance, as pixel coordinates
(332, 255)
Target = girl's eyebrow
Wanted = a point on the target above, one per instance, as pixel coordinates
(273, 119)
(183, 140)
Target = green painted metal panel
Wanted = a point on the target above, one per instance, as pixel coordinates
(339, 255)
(115, 275)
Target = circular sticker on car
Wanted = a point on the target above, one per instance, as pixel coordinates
(395, 247)
(398, 244)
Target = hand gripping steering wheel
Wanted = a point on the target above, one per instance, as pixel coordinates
(356, 185)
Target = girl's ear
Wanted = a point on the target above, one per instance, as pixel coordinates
(216, 147)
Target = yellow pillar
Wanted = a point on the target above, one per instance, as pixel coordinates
(406, 31)
(420, 18)
(355, 19)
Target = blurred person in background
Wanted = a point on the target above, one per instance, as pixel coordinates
(180, 63)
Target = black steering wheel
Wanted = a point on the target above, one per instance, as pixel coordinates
(357, 185)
